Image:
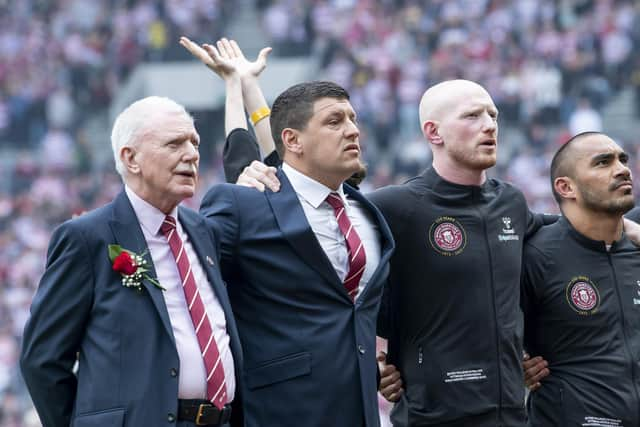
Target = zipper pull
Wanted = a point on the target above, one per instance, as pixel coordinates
(420, 355)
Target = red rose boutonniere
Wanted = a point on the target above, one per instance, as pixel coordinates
(132, 267)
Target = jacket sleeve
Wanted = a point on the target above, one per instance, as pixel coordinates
(240, 149)
(273, 159)
(55, 329)
(532, 276)
(220, 206)
(537, 220)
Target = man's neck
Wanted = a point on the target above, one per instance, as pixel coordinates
(459, 175)
(600, 226)
(331, 182)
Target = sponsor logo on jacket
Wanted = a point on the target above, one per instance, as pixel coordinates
(508, 233)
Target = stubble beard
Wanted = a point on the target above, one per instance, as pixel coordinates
(617, 206)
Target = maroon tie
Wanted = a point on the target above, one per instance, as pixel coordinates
(216, 387)
(355, 249)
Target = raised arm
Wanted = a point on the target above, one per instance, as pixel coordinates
(222, 60)
(254, 101)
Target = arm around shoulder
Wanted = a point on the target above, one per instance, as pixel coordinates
(240, 149)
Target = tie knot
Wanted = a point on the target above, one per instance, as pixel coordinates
(168, 225)
(335, 200)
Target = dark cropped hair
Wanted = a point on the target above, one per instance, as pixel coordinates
(294, 107)
(560, 164)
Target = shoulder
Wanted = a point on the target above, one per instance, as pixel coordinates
(507, 190)
(223, 193)
(634, 214)
(231, 200)
(81, 237)
(393, 198)
(88, 223)
(232, 190)
(546, 241)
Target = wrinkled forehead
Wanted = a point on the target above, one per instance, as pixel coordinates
(171, 124)
(325, 106)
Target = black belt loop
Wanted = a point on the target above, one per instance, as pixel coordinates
(203, 412)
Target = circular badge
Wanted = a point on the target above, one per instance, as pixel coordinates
(447, 236)
(582, 295)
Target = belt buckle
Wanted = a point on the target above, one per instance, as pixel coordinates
(201, 410)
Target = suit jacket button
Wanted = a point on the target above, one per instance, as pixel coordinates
(173, 372)
(361, 349)
(171, 418)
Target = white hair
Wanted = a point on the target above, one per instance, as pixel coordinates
(130, 122)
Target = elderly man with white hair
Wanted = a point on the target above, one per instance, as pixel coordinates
(132, 294)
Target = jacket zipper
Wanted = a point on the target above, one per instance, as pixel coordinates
(624, 327)
(493, 303)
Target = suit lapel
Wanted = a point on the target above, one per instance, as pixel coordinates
(128, 234)
(195, 228)
(296, 229)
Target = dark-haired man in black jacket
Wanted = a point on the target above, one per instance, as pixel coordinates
(581, 292)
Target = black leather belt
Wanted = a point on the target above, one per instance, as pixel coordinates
(203, 412)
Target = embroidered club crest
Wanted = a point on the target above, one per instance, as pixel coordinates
(447, 236)
(582, 295)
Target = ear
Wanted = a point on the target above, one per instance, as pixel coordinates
(431, 133)
(565, 187)
(128, 157)
(291, 141)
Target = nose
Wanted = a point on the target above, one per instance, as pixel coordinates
(622, 170)
(489, 123)
(351, 130)
(191, 153)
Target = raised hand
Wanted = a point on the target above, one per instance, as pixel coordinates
(230, 53)
(215, 62)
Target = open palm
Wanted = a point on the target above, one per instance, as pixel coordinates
(226, 58)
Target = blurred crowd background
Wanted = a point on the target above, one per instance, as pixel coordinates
(553, 67)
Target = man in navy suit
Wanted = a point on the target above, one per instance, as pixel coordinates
(289, 257)
(113, 298)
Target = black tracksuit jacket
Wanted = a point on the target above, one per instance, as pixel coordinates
(451, 310)
(582, 314)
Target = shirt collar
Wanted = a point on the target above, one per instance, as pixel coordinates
(149, 216)
(311, 190)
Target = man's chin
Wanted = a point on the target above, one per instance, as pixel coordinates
(187, 192)
(483, 163)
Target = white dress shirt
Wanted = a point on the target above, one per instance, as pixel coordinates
(323, 222)
(192, 375)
